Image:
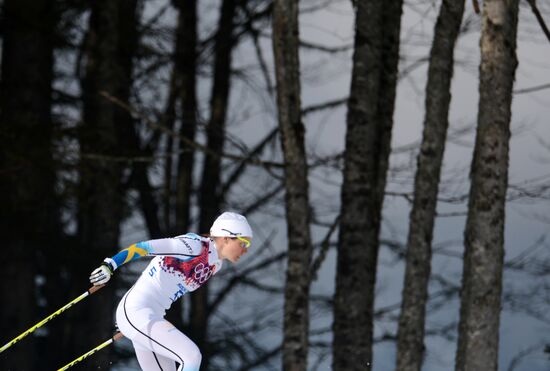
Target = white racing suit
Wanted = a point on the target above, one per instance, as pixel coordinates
(181, 264)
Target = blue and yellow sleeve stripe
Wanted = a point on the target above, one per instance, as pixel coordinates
(132, 252)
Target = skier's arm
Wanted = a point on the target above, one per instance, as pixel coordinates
(103, 273)
(132, 252)
(182, 247)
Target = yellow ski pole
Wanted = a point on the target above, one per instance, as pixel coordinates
(117, 336)
(90, 291)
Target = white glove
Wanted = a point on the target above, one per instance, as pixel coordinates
(101, 275)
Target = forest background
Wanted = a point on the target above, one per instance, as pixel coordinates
(134, 119)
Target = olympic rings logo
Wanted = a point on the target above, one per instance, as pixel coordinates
(202, 273)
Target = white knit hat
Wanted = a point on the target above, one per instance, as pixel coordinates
(230, 224)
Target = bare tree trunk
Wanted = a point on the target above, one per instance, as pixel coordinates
(209, 197)
(410, 335)
(108, 69)
(287, 71)
(29, 223)
(170, 123)
(186, 68)
(478, 335)
(148, 203)
(370, 121)
(184, 76)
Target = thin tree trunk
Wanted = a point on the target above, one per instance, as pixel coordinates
(209, 197)
(108, 69)
(170, 123)
(185, 79)
(370, 121)
(186, 68)
(148, 203)
(29, 220)
(410, 335)
(480, 304)
(287, 71)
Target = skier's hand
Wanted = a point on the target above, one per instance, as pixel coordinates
(101, 275)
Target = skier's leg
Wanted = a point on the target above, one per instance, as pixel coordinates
(149, 361)
(146, 327)
(162, 338)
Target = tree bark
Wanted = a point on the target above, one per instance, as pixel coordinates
(410, 335)
(287, 71)
(186, 69)
(480, 304)
(184, 77)
(368, 138)
(108, 70)
(29, 219)
(209, 197)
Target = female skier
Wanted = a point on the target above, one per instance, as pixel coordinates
(180, 264)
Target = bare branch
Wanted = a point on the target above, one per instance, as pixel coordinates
(187, 141)
(535, 9)
(262, 200)
(242, 166)
(326, 49)
(261, 60)
(522, 354)
(532, 89)
(324, 248)
(240, 278)
(322, 106)
(262, 359)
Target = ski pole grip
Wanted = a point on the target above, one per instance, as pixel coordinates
(118, 336)
(94, 288)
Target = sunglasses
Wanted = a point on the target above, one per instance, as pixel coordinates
(245, 243)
